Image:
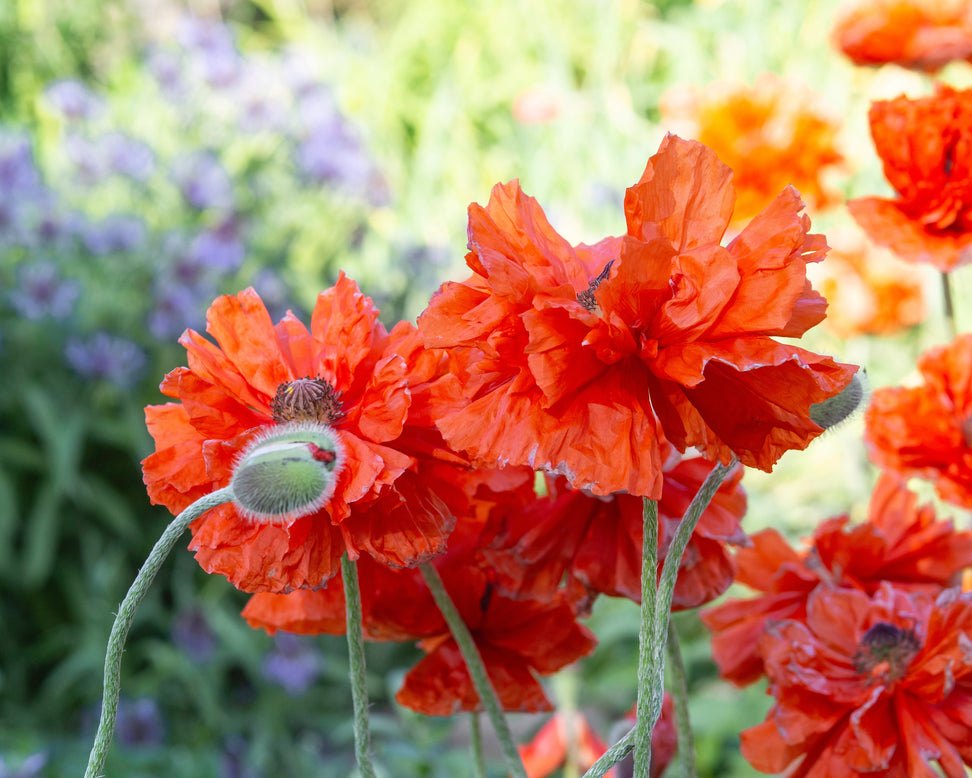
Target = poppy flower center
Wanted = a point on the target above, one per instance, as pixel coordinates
(886, 651)
(586, 298)
(307, 399)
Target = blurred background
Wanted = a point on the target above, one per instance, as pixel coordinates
(157, 153)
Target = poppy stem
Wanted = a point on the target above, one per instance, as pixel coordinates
(950, 325)
(125, 617)
(680, 695)
(651, 660)
(656, 607)
(476, 744)
(356, 657)
(612, 756)
(477, 670)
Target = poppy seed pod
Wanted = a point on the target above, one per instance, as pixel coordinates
(287, 472)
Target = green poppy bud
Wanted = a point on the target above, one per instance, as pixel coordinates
(286, 472)
(841, 407)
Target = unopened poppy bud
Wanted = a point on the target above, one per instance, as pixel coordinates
(287, 472)
(840, 407)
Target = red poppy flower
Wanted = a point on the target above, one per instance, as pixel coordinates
(920, 34)
(927, 154)
(391, 498)
(773, 133)
(596, 542)
(566, 354)
(868, 685)
(517, 639)
(900, 542)
(926, 430)
(869, 291)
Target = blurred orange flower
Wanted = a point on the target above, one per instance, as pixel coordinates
(926, 148)
(566, 358)
(900, 542)
(400, 488)
(920, 34)
(868, 291)
(551, 746)
(926, 431)
(774, 133)
(868, 685)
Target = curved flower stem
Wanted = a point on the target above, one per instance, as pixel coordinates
(657, 629)
(125, 616)
(359, 682)
(679, 688)
(612, 756)
(950, 324)
(650, 658)
(477, 670)
(476, 744)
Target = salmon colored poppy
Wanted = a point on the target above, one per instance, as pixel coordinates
(774, 133)
(900, 542)
(565, 355)
(919, 34)
(868, 685)
(925, 431)
(570, 736)
(392, 496)
(595, 543)
(869, 291)
(926, 148)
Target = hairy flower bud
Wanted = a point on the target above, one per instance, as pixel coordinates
(287, 472)
(842, 406)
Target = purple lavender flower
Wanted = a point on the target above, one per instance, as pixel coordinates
(212, 50)
(127, 156)
(107, 357)
(73, 100)
(294, 663)
(176, 307)
(140, 723)
(30, 767)
(19, 175)
(261, 98)
(166, 68)
(203, 181)
(219, 249)
(90, 165)
(318, 111)
(42, 292)
(191, 633)
(115, 234)
(233, 762)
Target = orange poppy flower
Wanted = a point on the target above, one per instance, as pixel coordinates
(774, 133)
(392, 497)
(926, 431)
(868, 685)
(869, 292)
(926, 150)
(596, 542)
(564, 355)
(920, 34)
(548, 750)
(900, 542)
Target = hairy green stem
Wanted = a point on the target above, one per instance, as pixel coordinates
(612, 756)
(356, 657)
(950, 325)
(650, 659)
(125, 617)
(477, 670)
(680, 695)
(476, 744)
